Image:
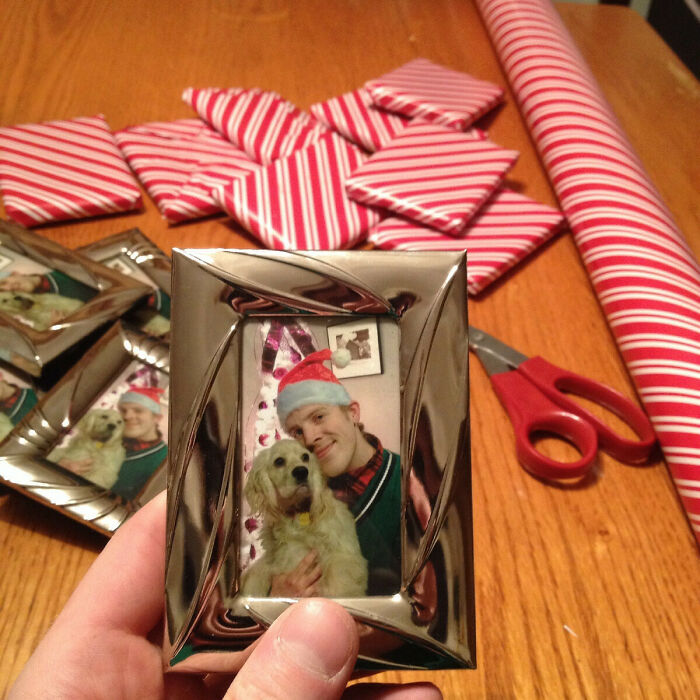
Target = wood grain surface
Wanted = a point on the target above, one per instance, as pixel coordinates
(581, 592)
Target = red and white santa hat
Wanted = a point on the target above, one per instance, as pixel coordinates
(311, 382)
(146, 396)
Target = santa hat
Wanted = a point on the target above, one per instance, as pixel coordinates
(310, 381)
(146, 396)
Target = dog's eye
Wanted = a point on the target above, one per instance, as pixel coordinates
(279, 462)
(305, 457)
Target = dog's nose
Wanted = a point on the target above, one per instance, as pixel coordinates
(111, 426)
(300, 474)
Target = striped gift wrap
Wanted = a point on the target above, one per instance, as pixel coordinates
(643, 272)
(63, 170)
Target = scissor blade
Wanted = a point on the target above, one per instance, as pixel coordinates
(495, 355)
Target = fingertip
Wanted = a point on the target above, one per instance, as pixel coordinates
(308, 652)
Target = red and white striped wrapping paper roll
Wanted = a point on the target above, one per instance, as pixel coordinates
(434, 93)
(167, 155)
(259, 122)
(299, 202)
(504, 231)
(644, 274)
(354, 116)
(432, 174)
(62, 170)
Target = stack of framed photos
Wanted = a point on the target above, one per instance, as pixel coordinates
(84, 373)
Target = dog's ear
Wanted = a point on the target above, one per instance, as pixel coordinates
(259, 491)
(86, 423)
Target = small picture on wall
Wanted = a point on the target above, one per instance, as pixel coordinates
(361, 340)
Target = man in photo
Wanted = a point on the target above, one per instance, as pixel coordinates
(146, 450)
(316, 409)
(15, 403)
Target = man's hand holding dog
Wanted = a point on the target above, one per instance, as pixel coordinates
(299, 582)
(77, 466)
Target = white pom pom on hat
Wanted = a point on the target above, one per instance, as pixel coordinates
(341, 357)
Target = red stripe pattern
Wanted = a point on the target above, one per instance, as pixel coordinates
(354, 116)
(259, 122)
(62, 170)
(643, 272)
(432, 174)
(299, 202)
(167, 156)
(504, 231)
(421, 88)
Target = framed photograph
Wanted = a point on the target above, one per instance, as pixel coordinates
(360, 340)
(132, 254)
(95, 446)
(278, 460)
(51, 298)
(18, 395)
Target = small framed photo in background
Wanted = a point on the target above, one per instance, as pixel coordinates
(134, 255)
(95, 446)
(51, 298)
(361, 341)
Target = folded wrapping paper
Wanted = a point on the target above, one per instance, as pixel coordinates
(167, 155)
(433, 175)
(60, 170)
(259, 122)
(503, 232)
(354, 116)
(421, 88)
(642, 270)
(299, 202)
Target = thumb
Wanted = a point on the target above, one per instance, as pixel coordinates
(308, 653)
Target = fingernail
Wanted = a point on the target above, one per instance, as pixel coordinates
(318, 636)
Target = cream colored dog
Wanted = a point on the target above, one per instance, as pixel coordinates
(300, 513)
(40, 311)
(98, 438)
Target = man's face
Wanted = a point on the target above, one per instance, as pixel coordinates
(15, 282)
(330, 432)
(139, 422)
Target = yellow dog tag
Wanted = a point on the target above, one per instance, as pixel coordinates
(304, 518)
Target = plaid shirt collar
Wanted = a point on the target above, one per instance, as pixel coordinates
(348, 487)
(136, 445)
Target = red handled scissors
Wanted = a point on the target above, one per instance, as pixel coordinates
(534, 393)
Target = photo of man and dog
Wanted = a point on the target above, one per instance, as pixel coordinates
(153, 316)
(122, 439)
(17, 398)
(322, 512)
(35, 294)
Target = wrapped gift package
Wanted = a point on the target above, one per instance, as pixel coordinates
(260, 122)
(166, 155)
(433, 175)
(506, 230)
(421, 88)
(62, 170)
(299, 202)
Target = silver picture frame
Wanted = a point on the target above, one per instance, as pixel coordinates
(429, 622)
(30, 349)
(133, 254)
(24, 462)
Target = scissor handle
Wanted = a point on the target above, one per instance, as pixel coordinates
(554, 382)
(531, 412)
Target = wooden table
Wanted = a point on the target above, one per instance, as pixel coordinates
(580, 592)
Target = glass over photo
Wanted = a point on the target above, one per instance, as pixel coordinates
(322, 474)
(37, 295)
(121, 440)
